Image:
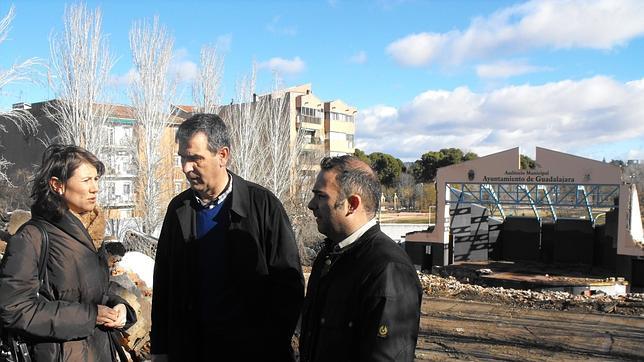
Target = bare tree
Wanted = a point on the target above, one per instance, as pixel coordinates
(25, 71)
(246, 130)
(268, 148)
(284, 143)
(80, 66)
(205, 89)
(151, 94)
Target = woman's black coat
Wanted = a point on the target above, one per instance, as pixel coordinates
(63, 325)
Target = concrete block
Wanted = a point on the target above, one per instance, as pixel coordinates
(574, 241)
(521, 238)
(495, 225)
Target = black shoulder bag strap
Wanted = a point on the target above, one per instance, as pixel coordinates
(44, 257)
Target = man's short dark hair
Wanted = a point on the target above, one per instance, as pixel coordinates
(58, 161)
(354, 177)
(209, 124)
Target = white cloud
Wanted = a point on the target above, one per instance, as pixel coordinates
(182, 68)
(123, 79)
(635, 154)
(506, 69)
(566, 115)
(417, 49)
(276, 27)
(283, 66)
(550, 24)
(359, 57)
(224, 42)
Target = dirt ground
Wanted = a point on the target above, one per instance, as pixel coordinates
(456, 329)
(464, 321)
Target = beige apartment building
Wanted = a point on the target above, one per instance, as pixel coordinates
(328, 127)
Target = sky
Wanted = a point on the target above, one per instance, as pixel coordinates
(483, 76)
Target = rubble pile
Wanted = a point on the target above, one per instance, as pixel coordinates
(130, 286)
(450, 287)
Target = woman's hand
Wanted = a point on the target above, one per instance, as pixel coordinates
(115, 317)
(122, 316)
(106, 315)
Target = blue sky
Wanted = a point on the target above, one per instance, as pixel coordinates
(480, 75)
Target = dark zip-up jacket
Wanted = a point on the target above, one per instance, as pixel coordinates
(263, 279)
(362, 303)
(62, 325)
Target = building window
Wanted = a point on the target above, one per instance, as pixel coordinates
(335, 116)
(126, 189)
(350, 140)
(311, 115)
(109, 135)
(111, 188)
(309, 137)
(177, 161)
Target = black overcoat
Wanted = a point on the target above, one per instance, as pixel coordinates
(362, 303)
(263, 276)
(64, 327)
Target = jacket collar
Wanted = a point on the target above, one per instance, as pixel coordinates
(186, 211)
(241, 201)
(72, 226)
(357, 247)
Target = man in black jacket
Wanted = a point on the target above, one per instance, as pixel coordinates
(228, 284)
(363, 297)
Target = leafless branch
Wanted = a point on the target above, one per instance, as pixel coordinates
(205, 89)
(25, 71)
(151, 95)
(80, 66)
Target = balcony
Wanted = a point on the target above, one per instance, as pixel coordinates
(309, 119)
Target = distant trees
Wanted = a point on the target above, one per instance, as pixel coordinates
(388, 167)
(411, 186)
(424, 170)
(527, 163)
(362, 156)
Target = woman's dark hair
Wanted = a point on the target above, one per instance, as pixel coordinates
(58, 161)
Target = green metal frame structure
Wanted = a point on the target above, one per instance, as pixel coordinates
(536, 196)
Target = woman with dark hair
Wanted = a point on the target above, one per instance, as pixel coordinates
(72, 316)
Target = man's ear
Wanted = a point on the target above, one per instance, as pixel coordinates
(224, 154)
(354, 202)
(56, 185)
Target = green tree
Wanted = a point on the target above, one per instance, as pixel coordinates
(362, 156)
(527, 163)
(424, 170)
(387, 166)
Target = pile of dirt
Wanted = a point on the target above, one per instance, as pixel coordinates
(450, 287)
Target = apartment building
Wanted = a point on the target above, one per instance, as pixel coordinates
(327, 128)
(118, 195)
(339, 128)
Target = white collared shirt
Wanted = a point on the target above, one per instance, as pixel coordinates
(219, 199)
(357, 234)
